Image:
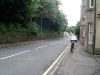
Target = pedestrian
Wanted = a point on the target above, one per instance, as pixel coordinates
(72, 40)
(72, 45)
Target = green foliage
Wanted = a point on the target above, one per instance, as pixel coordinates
(63, 22)
(71, 29)
(53, 19)
(11, 28)
(34, 28)
(77, 29)
(3, 28)
(20, 29)
(29, 15)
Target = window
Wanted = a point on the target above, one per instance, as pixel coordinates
(91, 5)
(90, 35)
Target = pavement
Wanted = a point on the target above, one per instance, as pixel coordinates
(79, 63)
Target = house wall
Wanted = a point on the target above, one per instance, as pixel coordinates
(82, 22)
(82, 36)
(89, 19)
(97, 45)
(90, 16)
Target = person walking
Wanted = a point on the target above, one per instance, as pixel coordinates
(73, 40)
(72, 46)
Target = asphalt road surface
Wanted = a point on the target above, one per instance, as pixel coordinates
(31, 59)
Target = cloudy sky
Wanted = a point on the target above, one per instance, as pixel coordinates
(72, 9)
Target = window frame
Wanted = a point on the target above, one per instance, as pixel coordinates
(90, 4)
(90, 33)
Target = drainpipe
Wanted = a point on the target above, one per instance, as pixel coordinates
(94, 36)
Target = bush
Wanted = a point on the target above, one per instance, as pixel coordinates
(35, 28)
(3, 28)
(17, 28)
(21, 29)
(11, 28)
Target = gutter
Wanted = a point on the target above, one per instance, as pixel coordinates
(94, 36)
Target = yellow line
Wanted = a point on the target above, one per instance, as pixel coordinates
(49, 69)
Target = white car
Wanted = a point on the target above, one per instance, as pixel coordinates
(73, 38)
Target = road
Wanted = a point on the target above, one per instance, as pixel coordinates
(30, 59)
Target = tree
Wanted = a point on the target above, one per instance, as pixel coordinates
(77, 29)
(17, 11)
(71, 29)
(63, 22)
(52, 18)
(27, 14)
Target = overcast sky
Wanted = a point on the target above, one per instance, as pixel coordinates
(72, 9)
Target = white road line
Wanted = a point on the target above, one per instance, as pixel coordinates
(15, 55)
(41, 47)
(21, 53)
(61, 56)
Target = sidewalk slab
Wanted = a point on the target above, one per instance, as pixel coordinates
(79, 63)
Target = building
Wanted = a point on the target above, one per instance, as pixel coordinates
(90, 25)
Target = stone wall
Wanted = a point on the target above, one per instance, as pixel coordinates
(13, 37)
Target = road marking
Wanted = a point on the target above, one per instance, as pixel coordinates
(41, 47)
(21, 53)
(57, 60)
(15, 55)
